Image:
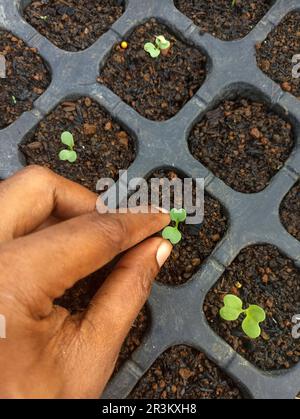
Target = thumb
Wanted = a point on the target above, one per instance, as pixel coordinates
(121, 297)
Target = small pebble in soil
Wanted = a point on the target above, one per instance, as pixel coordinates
(242, 142)
(103, 147)
(26, 78)
(272, 281)
(156, 88)
(274, 55)
(290, 211)
(197, 243)
(73, 25)
(221, 19)
(184, 373)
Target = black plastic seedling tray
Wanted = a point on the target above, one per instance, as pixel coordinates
(176, 312)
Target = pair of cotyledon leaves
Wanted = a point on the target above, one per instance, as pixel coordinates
(233, 308)
(172, 233)
(161, 43)
(68, 155)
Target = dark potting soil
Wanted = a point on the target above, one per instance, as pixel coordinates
(103, 147)
(26, 78)
(221, 19)
(157, 88)
(274, 55)
(290, 211)
(78, 298)
(197, 242)
(73, 25)
(242, 142)
(272, 281)
(184, 373)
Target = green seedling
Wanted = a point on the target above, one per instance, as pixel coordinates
(68, 155)
(161, 43)
(233, 3)
(172, 233)
(233, 308)
(14, 100)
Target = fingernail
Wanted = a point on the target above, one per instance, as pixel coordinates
(163, 252)
(161, 209)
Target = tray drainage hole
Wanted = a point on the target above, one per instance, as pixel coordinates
(182, 372)
(157, 88)
(103, 147)
(222, 20)
(269, 279)
(75, 25)
(24, 77)
(197, 242)
(242, 142)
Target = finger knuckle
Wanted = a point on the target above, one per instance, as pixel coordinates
(37, 172)
(113, 231)
(144, 283)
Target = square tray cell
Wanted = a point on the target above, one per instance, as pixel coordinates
(182, 372)
(198, 241)
(159, 87)
(223, 20)
(275, 54)
(26, 78)
(263, 276)
(243, 142)
(102, 146)
(290, 211)
(74, 25)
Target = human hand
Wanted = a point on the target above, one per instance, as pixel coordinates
(50, 237)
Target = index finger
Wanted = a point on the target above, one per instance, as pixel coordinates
(29, 197)
(52, 260)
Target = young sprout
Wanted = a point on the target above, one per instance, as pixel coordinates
(233, 308)
(172, 233)
(233, 3)
(70, 155)
(161, 44)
